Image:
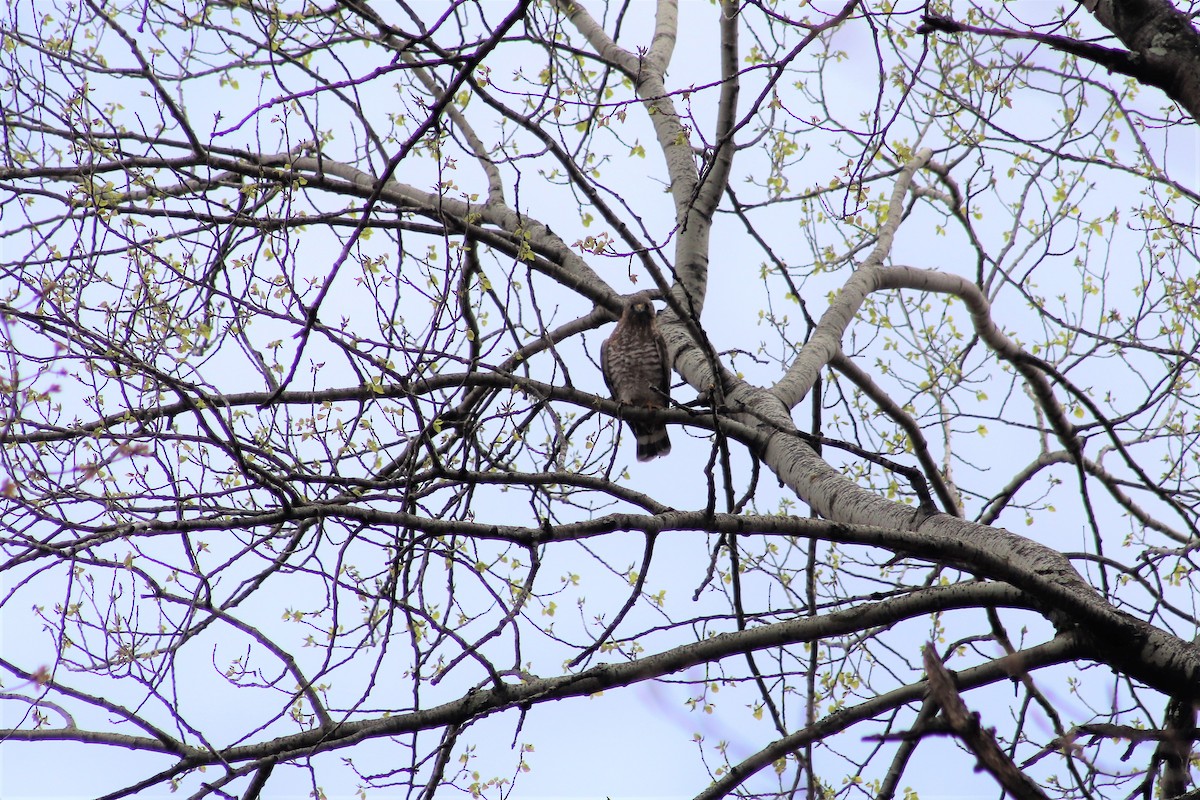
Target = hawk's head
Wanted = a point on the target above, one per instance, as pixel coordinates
(640, 308)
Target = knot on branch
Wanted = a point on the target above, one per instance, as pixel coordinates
(933, 23)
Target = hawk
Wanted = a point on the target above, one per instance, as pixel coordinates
(636, 369)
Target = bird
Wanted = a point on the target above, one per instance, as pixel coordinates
(638, 373)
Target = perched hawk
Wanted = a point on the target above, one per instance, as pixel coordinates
(634, 361)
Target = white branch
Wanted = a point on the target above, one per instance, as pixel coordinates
(826, 341)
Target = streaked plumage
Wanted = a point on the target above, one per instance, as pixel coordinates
(636, 369)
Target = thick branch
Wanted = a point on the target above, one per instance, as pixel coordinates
(1061, 649)
(967, 727)
(826, 341)
(532, 690)
(1163, 39)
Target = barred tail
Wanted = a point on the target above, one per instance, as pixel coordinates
(652, 441)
